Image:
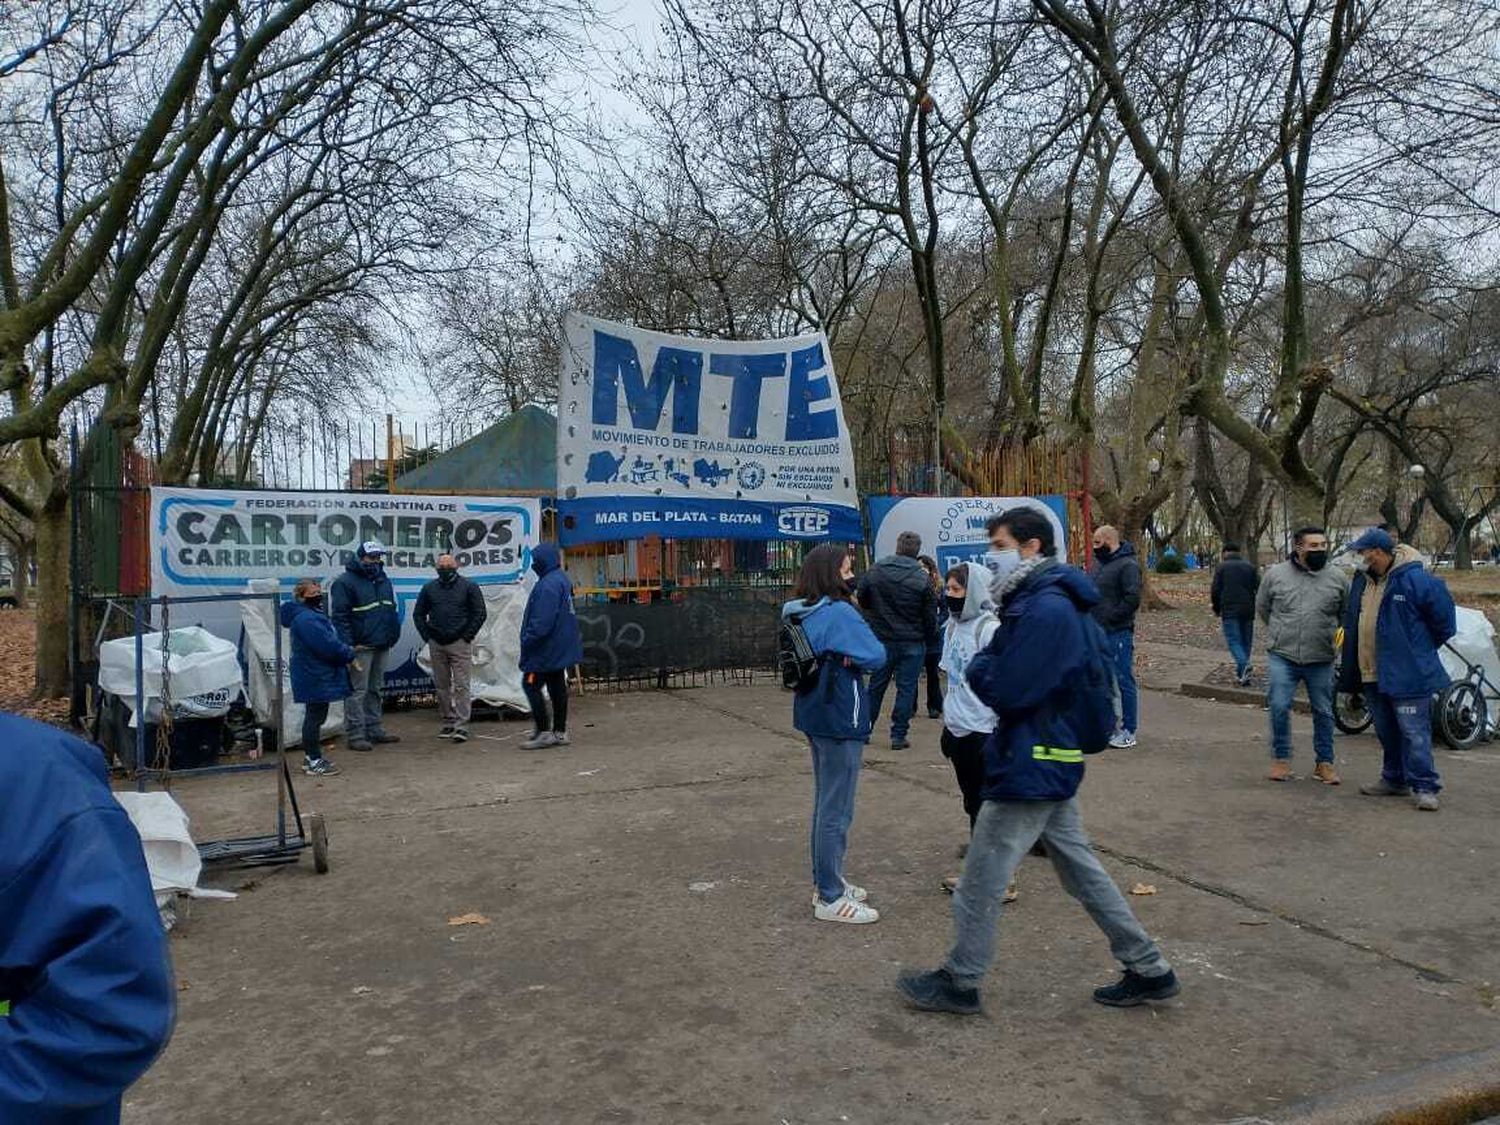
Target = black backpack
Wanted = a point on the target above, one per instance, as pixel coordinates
(795, 658)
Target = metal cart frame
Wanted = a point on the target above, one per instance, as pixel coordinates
(285, 845)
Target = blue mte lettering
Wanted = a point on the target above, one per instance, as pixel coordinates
(747, 371)
(803, 423)
(616, 362)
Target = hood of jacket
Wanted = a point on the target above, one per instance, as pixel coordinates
(290, 611)
(976, 592)
(545, 558)
(1069, 580)
(799, 608)
(1126, 550)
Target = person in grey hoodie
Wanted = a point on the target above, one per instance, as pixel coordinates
(1301, 602)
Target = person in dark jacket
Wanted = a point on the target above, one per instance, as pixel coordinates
(364, 613)
(932, 665)
(1397, 618)
(550, 645)
(835, 715)
(901, 604)
(1117, 574)
(320, 669)
(1033, 767)
(1233, 597)
(86, 994)
(449, 614)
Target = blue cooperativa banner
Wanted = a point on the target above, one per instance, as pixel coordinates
(700, 439)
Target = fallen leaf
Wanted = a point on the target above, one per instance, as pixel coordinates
(1143, 889)
(362, 990)
(469, 920)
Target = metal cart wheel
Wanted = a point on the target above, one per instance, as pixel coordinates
(317, 831)
(1350, 712)
(1461, 714)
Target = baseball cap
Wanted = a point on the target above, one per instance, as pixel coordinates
(1374, 539)
(371, 547)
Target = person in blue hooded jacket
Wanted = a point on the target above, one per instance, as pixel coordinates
(363, 609)
(1033, 767)
(834, 715)
(320, 669)
(1397, 617)
(550, 644)
(86, 994)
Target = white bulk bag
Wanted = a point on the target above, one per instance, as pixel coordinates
(202, 672)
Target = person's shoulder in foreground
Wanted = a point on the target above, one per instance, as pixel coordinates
(84, 970)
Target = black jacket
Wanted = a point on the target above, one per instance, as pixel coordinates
(899, 601)
(1235, 582)
(1119, 581)
(444, 614)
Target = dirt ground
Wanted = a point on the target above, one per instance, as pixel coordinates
(649, 953)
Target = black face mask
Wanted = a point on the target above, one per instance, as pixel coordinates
(1315, 560)
(956, 605)
(314, 604)
(1102, 553)
(852, 585)
(446, 576)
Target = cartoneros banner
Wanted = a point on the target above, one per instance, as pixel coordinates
(214, 541)
(700, 439)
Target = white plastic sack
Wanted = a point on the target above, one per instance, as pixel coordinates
(1475, 644)
(202, 672)
(259, 619)
(496, 678)
(171, 856)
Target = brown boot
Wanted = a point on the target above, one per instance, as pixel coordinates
(1280, 771)
(1323, 771)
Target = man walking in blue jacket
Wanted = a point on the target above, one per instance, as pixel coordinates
(363, 608)
(1398, 615)
(86, 996)
(1033, 767)
(550, 645)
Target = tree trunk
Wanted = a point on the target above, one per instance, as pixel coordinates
(1463, 550)
(20, 584)
(52, 638)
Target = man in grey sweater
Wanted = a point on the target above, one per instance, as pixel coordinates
(448, 614)
(1301, 602)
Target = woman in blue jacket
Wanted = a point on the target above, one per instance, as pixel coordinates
(320, 669)
(550, 645)
(835, 716)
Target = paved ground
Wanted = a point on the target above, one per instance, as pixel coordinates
(651, 955)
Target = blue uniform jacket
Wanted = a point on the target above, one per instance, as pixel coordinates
(550, 640)
(363, 608)
(838, 707)
(320, 661)
(1024, 676)
(1416, 617)
(83, 958)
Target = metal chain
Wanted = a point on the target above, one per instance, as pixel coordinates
(163, 762)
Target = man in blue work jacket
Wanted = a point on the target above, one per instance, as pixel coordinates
(86, 995)
(363, 608)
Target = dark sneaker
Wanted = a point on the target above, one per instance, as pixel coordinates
(319, 767)
(900, 744)
(933, 713)
(458, 734)
(1384, 788)
(445, 730)
(1133, 989)
(937, 991)
(359, 745)
(382, 738)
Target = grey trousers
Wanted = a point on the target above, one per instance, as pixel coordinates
(451, 666)
(362, 720)
(1003, 834)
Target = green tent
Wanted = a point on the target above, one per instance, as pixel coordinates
(517, 456)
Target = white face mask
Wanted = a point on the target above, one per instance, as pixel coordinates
(1002, 562)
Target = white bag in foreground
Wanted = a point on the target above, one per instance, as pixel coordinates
(171, 856)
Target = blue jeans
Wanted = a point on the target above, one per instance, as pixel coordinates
(1239, 634)
(903, 660)
(1404, 727)
(1284, 675)
(836, 765)
(1003, 834)
(362, 720)
(1123, 642)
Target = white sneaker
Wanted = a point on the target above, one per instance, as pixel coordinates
(845, 909)
(858, 894)
(539, 740)
(1121, 740)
